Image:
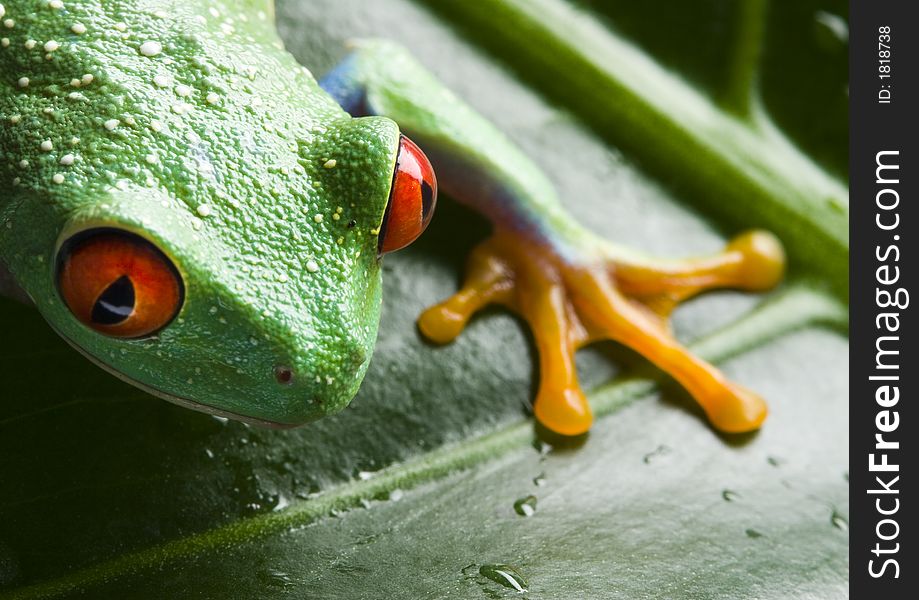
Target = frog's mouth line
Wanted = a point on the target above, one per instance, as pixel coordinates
(183, 402)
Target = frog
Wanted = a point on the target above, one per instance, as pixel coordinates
(191, 209)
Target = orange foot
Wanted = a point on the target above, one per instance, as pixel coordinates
(612, 297)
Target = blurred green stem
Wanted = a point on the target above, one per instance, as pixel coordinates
(742, 91)
(742, 173)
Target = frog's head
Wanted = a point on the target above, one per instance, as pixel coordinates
(252, 294)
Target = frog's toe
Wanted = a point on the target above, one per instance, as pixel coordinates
(508, 271)
(488, 281)
(752, 261)
(761, 260)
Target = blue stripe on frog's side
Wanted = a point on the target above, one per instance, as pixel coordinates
(343, 86)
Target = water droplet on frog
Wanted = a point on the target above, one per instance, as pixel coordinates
(752, 533)
(730, 495)
(539, 480)
(839, 521)
(543, 448)
(525, 506)
(505, 575)
(277, 578)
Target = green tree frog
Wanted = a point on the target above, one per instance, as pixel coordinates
(189, 208)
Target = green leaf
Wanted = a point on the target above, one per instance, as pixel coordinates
(410, 492)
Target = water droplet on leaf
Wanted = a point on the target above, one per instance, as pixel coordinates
(505, 575)
(729, 495)
(661, 450)
(525, 506)
(839, 521)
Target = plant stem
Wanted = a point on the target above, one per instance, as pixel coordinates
(744, 174)
(742, 92)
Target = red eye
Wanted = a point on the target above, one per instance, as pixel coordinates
(411, 200)
(118, 283)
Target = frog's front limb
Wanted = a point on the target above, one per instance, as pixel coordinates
(604, 297)
(571, 287)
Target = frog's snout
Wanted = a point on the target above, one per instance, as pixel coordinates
(286, 375)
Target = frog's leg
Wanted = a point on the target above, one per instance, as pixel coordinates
(571, 287)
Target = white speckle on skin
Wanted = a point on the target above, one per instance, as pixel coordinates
(57, 178)
(30, 44)
(46, 146)
(15, 119)
(2, 11)
(48, 110)
(75, 83)
(121, 26)
(204, 210)
(130, 121)
(311, 266)
(317, 218)
(87, 79)
(152, 158)
(76, 96)
(196, 224)
(151, 48)
(5, 42)
(56, 4)
(330, 164)
(183, 90)
(214, 12)
(111, 124)
(156, 126)
(51, 46)
(212, 98)
(161, 80)
(9, 23)
(23, 164)
(74, 141)
(68, 159)
(78, 28)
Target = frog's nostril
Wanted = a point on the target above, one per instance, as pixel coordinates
(284, 375)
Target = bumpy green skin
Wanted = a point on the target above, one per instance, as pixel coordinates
(218, 150)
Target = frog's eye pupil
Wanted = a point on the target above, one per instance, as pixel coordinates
(116, 303)
(412, 198)
(118, 283)
(427, 200)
